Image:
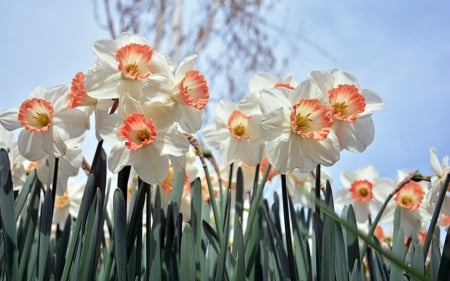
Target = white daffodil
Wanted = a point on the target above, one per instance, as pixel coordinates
(351, 107)
(126, 59)
(414, 210)
(47, 123)
(136, 141)
(297, 129)
(267, 80)
(181, 98)
(365, 190)
(235, 133)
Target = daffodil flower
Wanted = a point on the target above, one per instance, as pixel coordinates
(365, 190)
(297, 129)
(136, 141)
(47, 123)
(235, 133)
(351, 107)
(181, 98)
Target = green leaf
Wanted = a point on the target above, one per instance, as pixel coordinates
(92, 239)
(177, 191)
(22, 198)
(120, 235)
(444, 267)
(238, 246)
(435, 256)
(327, 266)
(418, 259)
(351, 240)
(61, 249)
(31, 222)
(8, 222)
(187, 263)
(45, 225)
(78, 230)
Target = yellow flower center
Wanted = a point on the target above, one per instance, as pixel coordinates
(238, 125)
(36, 115)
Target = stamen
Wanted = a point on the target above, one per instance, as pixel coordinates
(346, 102)
(238, 125)
(137, 131)
(361, 190)
(78, 94)
(194, 89)
(134, 61)
(311, 119)
(36, 115)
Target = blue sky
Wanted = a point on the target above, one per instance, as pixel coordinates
(399, 49)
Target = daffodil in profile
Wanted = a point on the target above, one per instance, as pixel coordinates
(180, 98)
(46, 123)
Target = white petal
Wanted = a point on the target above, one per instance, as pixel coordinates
(273, 99)
(324, 80)
(119, 157)
(185, 65)
(30, 145)
(152, 168)
(308, 89)
(342, 77)
(261, 81)
(174, 143)
(373, 103)
(249, 105)
(325, 152)
(275, 125)
(54, 142)
(434, 162)
(102, 84)
(9, 119)
(214, 134)
(105, 50)
(355, 136)
(72, 121)
(190, 118)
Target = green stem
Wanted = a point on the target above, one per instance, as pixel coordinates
(287, 229)
(216, 212)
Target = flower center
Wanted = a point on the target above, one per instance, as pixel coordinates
(137, 131)
(238, 125)
(410, 196)
(346, 102)
(194, 89)
(284, 86)
(311, 119)
(78, 94)
(134, 61)
(36, 115)
(361, 190)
